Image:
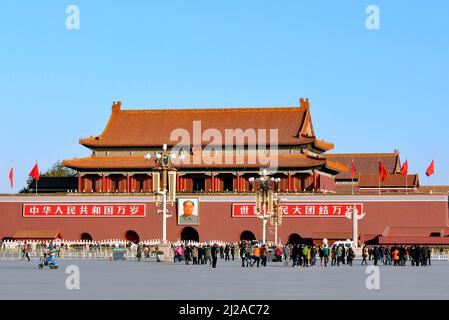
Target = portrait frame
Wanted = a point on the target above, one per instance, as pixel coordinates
(196, 211)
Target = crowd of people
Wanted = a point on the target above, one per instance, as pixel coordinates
(251, 253)
(398, 255)
(200, 254)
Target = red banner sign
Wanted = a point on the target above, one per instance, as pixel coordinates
(103, 210)
(312, 210)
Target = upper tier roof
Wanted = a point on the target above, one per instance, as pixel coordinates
(147, 128)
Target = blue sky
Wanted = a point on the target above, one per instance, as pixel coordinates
(370, 90)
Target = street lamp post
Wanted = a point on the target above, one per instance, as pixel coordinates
(276, 217)
(264, 187)
(164, 162)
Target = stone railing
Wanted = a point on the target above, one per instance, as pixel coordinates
(71, 253)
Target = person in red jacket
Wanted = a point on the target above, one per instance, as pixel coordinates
(26, 251)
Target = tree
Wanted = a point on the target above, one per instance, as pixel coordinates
(59, 170)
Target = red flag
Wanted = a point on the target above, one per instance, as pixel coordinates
(431, 169)
(11, 176)
(35, 172)
(404, 168)
(382, 172)
(353, 170)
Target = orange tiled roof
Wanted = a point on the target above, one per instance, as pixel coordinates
(251, 161)
(323, 145)
(336, 166)
(37, 234)
(392, 181)
(365, 163)
(143, 128)
(404, 231)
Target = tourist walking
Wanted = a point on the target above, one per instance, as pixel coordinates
(305, 256)
(264, 255)
(227, 251)
(375, 255)
(339, 254)
(294, 255)
(286, 253)
(26, 251)
(256, 256)
(333, 256)
(351, 256)
(321, 254)
(139, 252)
(214, 253)
(195, 255)
(243, 253)
(364, 255)
(208, 255)
(326, 253)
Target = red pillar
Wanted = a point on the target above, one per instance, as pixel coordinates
(212, 182)
(238, 181)
(315, 181)
(178, 186)
(80, 183)
(128, 183)
(289, 182)
(86, 184)
(103, 183)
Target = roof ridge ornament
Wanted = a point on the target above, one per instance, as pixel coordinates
(116, 106)
(304, 103)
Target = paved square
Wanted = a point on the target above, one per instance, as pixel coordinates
(101, 279)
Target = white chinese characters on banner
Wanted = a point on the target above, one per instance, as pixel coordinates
(83, 210)
(319, 210)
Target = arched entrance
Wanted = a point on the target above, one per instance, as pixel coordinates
(132, 236)
(294, 238)
(190, 234)
(86, 237)
(247, 235)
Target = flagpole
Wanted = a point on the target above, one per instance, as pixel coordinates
(352, 177)
(406, 191)
(406, 176)
(379, 176)
(12, 180)
(352, 186)
(37, 178)
(433, 159)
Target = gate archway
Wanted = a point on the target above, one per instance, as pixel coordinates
(190, 234)
(132, 236)
(247, 235)
(294, 238)
(86, 236)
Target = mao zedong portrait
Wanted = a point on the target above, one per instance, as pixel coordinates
(188, 212)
